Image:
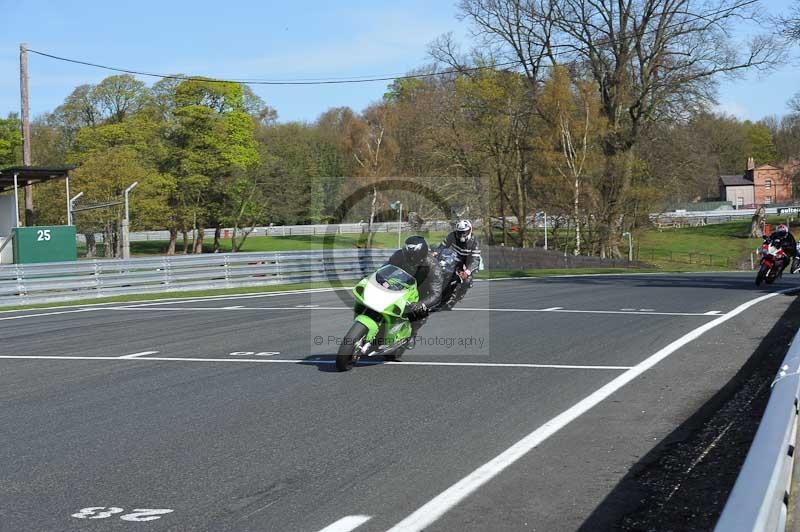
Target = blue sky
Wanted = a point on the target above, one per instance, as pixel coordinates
(266, 40)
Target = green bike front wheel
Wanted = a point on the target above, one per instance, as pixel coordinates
(351, 343)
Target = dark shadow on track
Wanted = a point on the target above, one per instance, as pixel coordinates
(683, 483)
(327, 363)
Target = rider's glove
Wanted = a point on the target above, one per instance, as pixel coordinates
(415, 310)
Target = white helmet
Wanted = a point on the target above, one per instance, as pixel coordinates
(463, 230)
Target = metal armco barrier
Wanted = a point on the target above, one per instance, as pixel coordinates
(288, 230)
(760, 496)
(23, 284)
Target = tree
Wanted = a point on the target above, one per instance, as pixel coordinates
(650, 59)
(10, 141)
(572, 130)
(306, 164)
(245, 205)
(111, 157)
(492, 132)
(791, 22)
(257, 108)
(760, 144)
(80, 109)
(119, 97)
(212, 139)
(102, 177)
(368, 142)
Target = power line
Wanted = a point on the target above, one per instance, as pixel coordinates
(571, 49)
(274, 82)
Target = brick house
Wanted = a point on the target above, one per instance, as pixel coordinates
(760, 185)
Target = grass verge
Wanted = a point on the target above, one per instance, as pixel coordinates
(708, 248)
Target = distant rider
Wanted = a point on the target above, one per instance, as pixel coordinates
(464, 243)
(415, 258)
(783, 239)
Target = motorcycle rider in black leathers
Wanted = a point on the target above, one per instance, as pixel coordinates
(464, 243)
(415, 258)
(783, 239)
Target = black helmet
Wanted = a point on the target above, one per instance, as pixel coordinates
(415, 250)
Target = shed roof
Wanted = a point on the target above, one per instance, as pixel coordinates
(31, 174)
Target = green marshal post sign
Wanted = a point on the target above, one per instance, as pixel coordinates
(45, 244)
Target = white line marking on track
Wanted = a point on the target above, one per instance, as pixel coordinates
(430, 512)
(375, 361)
(79, 303)
(143, 353)
(713, 313)
(506, 365)
(576, 311)
(256, 295)
(157, 309)
(464, 309)
(346, 524)
(233, 308)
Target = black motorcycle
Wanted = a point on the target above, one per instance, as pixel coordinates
(450, 264)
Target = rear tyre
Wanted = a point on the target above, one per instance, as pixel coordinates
(352, 341)
(761, 275)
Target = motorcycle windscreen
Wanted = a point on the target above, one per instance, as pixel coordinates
(386, 287)
(393, 278)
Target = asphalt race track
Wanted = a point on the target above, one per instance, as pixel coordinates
(520, 410)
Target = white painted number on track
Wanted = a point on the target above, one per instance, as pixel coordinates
(254, 353)
(145, 514)
(136, 515)
(98, 512)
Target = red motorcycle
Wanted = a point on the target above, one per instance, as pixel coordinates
(772, 262)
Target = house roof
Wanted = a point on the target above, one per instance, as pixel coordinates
(735, 181)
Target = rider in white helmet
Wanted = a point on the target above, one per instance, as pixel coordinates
(464, 243)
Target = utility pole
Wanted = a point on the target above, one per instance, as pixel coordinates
(26, 128)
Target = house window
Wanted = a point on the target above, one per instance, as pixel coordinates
(768, 184)
(767, 200)
(739, 201)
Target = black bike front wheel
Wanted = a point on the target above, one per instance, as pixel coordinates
(761, 275)
(351, 343)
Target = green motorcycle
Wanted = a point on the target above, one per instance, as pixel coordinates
(379, 327)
